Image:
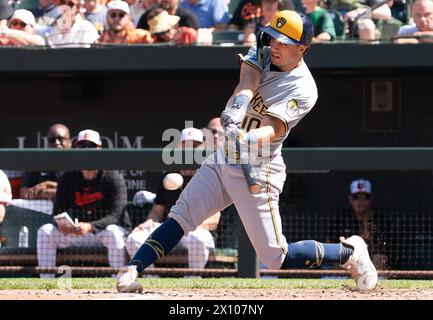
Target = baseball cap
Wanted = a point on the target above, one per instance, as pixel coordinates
(25, 16)
(360, 185)
(290, 27)
(193, 134)
(162, 22)
(89, 135)
(118, 5)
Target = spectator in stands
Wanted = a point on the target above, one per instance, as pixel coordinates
(350, 9)
(43, 185)
(46, 13)
(71, 29)
(120, 28)
(96, 198)
(5, 194)
(6, 12)
(96, 13)
(267, 10)
(422, 28)
(214, 133)
(363, 220)
(139, 9)
(213, 14)
(187, 17)
(324, 29)
(198, 242)
(21, 30)
(247, 12)
(165, 28)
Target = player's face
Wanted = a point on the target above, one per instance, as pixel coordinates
(285, 56)
(360, 202)
(422, 12)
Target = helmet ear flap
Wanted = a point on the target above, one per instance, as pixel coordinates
(265, 39)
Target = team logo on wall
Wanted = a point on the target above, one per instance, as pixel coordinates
(292, 108)
(281, 22)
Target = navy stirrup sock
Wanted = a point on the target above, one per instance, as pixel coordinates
(310, 253)
(159, 244)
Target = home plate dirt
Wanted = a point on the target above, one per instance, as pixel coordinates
(222, 294)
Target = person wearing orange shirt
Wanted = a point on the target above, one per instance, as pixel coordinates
(120, 28)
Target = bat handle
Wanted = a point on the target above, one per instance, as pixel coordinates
(250, 176)
(253, 184)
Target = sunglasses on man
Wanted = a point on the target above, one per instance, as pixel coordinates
(70, 4)
(86, 145)
(114, 15)
(17, 23)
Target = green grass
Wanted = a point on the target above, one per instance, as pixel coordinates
(209, 283)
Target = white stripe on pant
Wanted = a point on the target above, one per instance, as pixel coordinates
(50, 238)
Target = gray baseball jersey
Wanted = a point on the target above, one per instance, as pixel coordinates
(288, 96)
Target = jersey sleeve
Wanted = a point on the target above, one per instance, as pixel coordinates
(252, 60)
(290, 110)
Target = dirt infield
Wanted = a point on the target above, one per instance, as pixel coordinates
(221, 294)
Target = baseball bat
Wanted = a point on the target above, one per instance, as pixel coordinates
(250, 175)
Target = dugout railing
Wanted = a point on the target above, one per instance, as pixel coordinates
(315, 192)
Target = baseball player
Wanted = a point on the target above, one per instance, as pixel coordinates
(275, 91)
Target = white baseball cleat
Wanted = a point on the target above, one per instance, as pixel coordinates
(126, 280)
(359, 263)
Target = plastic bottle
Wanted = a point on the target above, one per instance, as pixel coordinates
(23, 237)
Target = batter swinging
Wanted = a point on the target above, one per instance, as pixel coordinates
(275, 91)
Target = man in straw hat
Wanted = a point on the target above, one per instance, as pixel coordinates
(164, 28)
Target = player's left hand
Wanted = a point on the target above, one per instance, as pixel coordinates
(235, 113)
(83, 228)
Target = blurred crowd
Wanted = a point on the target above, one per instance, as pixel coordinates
(85, 23)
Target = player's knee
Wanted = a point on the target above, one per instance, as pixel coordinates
(195, 241)
(46, 231)
(114, 235)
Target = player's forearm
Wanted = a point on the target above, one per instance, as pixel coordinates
(249, 81)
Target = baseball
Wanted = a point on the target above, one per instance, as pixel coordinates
(172, 181)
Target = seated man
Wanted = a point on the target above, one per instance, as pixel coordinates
(21, 30)
(197, 242)
(95, 198)
(5, 194)
(422, 29)
(43, 185)
(362, 220)
(120, 28)
(324, 29)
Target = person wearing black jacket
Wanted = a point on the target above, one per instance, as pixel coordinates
(95, 200)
